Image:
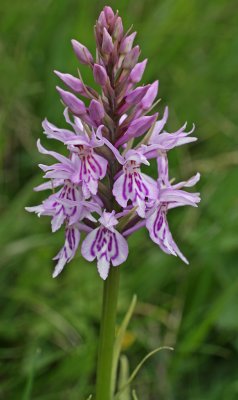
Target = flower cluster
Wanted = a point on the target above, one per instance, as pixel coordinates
(99, 188)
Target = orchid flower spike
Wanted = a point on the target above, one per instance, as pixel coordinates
(102, 187)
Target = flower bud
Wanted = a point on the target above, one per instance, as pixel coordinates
(118, 29)
(96, 111)
(100, 74)
(102, 19)
(137, 71)
(127, 43)
(107, 43)
(82, 53)
(131, 58)
(137, 128)
(70, 100)
(137, 95)
(149, 97)
(73, 83)
(109, 14)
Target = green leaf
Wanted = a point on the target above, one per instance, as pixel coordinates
(137, 369)
(134, 396)
(198, 334)
(119, 339)
(123, 377)
(30, 380)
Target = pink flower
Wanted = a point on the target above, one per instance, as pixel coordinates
(132, 185)
(107, 141)
(167, 141)
(67, 204)
(105, 244)
(170, 196)
(65, 255)
(89, 168)
(158, 228)
(84, 166)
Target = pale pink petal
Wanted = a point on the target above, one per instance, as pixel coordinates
(49, 185)
(163, 169)
(175, 195)
(122, 250)
(86, 248)
(57, 221)
(151, 185)
(39, 210)
(57, 156)
(189, 183)
(86, 191)
(103, 266)
(159, 125)
(120, 191)
(65, 255)
(92, 186)
(101, 165)
(52, 132)
(158, 228)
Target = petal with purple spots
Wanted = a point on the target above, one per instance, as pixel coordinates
(65, 255)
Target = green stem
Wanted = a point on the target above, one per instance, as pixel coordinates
(107, 336)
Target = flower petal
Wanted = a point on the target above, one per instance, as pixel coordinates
(122, 246)
(87, 249)
(65, 255)
(103, 266)
(158, 228)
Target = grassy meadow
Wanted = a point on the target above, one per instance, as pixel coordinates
(49, 328)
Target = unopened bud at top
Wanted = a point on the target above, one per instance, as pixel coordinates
(131, 58)
(107, 43)
(75, 105)
(136, 95)
(118, 29)
(82, 53)
(96, 111)
(150, 96)
(102, 19)
(109, 14)
(100, 74)
(72, 82)
(137, 72)
(127, 43)
(137, 128)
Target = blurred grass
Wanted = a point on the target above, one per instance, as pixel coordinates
(51, 326)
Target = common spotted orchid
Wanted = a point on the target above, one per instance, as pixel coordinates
(99, 188)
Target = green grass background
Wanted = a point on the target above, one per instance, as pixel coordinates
(49, 328)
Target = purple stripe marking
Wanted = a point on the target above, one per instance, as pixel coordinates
(94, 243)
(113, 257)
(158, 223)
(90, 162)
(130, 184)
(98, 165)
(124, 187)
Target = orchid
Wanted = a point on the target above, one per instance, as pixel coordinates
(134, 186)
(170, 196)
(102, 193)
(102, 171)
(105, 244)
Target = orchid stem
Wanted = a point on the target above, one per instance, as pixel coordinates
(107, 336)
